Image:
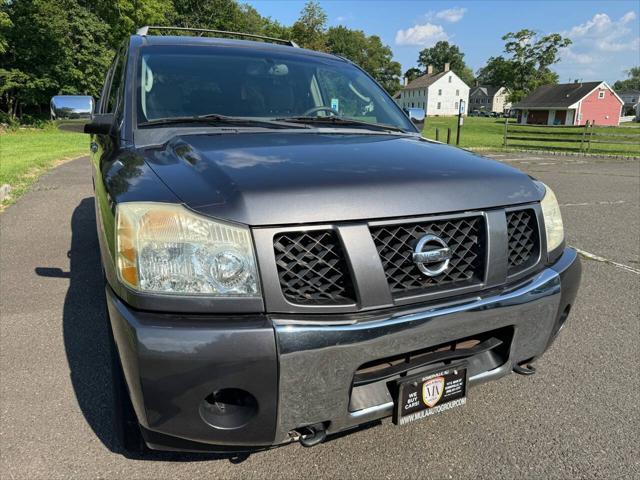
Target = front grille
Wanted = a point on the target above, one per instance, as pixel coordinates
(524, 246)
(312, 268)
(466, 237)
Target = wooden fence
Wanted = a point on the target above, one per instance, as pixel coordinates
(570, 137)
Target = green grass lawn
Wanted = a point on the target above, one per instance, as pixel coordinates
(26, 153)
(488, 134)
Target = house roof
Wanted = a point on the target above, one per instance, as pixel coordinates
(426, 80)
(629, 97)
(557, 96)
(487, 90)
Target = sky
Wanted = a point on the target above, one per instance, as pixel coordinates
(605, 33)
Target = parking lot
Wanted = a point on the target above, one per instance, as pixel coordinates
(578, 417)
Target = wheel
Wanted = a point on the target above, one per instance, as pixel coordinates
(125, 423)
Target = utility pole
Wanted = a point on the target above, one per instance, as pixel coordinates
(460, 121)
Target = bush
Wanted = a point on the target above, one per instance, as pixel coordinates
(26, 120)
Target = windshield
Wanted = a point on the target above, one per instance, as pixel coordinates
(190, 81)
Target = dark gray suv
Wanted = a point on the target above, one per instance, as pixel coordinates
(287, 258)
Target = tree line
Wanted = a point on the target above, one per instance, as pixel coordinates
(50, 47)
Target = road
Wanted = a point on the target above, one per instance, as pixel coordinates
(578, 417)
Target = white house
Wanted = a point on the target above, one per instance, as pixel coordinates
(437, 93)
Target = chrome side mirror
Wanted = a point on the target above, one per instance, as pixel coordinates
(72, 112)
(417, 116)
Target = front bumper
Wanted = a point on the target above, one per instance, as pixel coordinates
(300, 372)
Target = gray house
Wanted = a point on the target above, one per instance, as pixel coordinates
(487, 98)
(631, 99)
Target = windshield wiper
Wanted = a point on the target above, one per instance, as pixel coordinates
(217, 119)
(341, 121)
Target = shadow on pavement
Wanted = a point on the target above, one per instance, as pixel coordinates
(86, 336)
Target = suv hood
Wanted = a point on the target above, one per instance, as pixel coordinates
(290, 178)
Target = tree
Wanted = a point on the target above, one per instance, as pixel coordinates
(124, 16)
(309, 30)
(412, 73)
(368, 52)
(632, 82)
(5, 25)
(531, 57)
(53, 46)
(498, 72)
(443, 52)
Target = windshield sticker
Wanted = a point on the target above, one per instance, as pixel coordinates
(335, 104)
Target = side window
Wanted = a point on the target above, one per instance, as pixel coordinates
(110, 103)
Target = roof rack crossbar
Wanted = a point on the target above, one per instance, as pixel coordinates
(143, 31)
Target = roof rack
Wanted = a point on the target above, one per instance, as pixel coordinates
(143, 31)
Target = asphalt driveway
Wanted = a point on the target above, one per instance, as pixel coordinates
(579, 417)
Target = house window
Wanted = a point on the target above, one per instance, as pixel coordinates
(456, 106)
(440, 91)
(457, 93)
(439, 105)
(601, 94)
(450, 78)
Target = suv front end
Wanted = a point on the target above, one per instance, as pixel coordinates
(346, 314)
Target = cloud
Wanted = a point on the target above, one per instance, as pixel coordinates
(452, 15)
(579, 58)
(603, 34)
(628, 17)
(340, 19)
(600, 45)
(425, 35)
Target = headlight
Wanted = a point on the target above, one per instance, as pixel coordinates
(166, 248)
(552, 219)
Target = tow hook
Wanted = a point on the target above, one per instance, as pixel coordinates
(524, 369)
(311, 435)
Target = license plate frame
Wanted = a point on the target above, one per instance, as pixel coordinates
(431, 392)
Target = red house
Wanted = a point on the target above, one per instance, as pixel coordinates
(571, 104)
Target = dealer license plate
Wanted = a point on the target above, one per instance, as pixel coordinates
(430, 392)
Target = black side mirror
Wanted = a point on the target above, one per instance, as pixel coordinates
(101, 124)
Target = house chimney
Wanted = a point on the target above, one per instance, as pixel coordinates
(446, 67)
(405, 81)
(429, 69)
